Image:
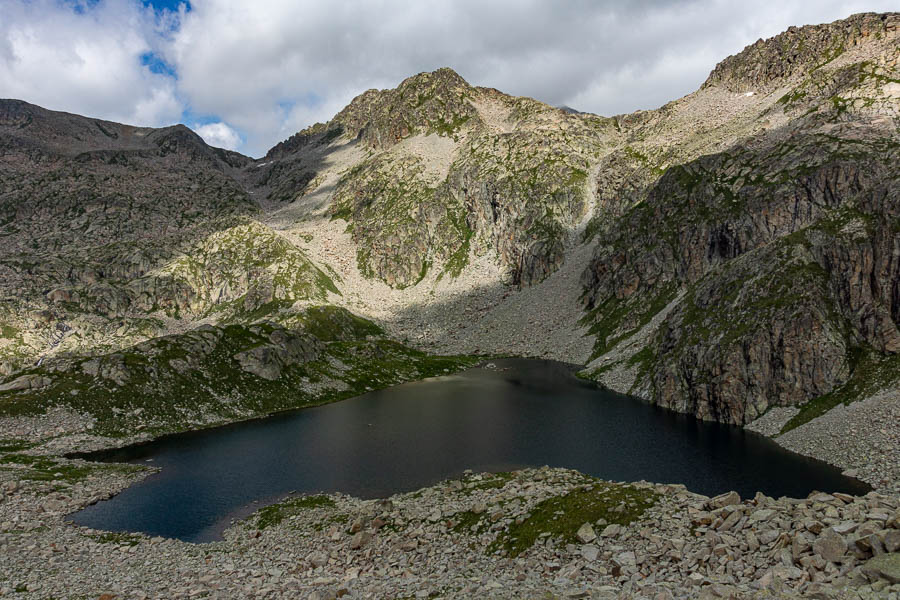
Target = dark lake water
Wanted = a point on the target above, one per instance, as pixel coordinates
(524, 413)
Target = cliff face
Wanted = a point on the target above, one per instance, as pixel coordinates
(776, 259)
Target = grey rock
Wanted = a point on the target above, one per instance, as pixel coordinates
(590, 552)
(892, 540)
(886, 566)
(26, 382)
(360, 539)
(625, 559)
(612, 530)
(586, 534)
(830, 546)
(722, 500)
(318, 559)
(356, 526)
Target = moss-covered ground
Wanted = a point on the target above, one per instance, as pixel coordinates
(560, 517)
(193, 380)
(276, 513)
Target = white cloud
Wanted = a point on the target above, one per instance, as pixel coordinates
(269, 69)
(219, 135)
(88, 62)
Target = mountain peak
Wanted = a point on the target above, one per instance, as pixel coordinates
(444, 76)
(429, 102)
(799, 49)
(435, 101)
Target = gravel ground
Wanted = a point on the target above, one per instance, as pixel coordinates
(436, 543)
(770, 424)
(862, 438)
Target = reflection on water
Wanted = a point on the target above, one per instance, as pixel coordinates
(526, 413)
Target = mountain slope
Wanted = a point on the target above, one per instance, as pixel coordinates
(726, 254)
(774, 259)
(449, 170)
(140, 288)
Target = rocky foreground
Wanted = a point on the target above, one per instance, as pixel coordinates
(538, 533)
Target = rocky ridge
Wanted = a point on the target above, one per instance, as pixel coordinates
(797, 51)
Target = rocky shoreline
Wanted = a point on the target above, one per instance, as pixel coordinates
(863, 438)
(509, 535)
(683, 545)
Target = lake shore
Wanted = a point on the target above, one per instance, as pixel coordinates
(466, 538)
(426, 549)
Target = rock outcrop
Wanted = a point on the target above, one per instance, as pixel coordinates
(453, 170)
(222, 373)
(783, 247)
(799, 50)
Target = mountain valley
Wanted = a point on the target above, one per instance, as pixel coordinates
(733, 255)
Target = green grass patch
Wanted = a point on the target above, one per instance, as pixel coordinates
(120, 538)
(466, 520)
(829, 55)
(12, 445)
(608, 320)
(792, 96)
(331, 323)
(490, 481)
(276, 513)
(448, 128)
(43, 468)
(594, 228)
(460, 257)
(28, 467)
(561, 516)
(339, 519)
(332, 134)
(839, 104)
(644, 359)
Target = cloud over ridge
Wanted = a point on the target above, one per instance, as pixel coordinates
(247, 75)
(219, 135)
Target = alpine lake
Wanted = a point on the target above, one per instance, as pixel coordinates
(504, 415)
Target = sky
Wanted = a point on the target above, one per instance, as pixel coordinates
(246, 75)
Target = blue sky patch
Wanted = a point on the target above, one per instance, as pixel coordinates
(152, 61)
(159, 5)
(192, 119)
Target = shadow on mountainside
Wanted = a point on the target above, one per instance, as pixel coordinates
(494, 318)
